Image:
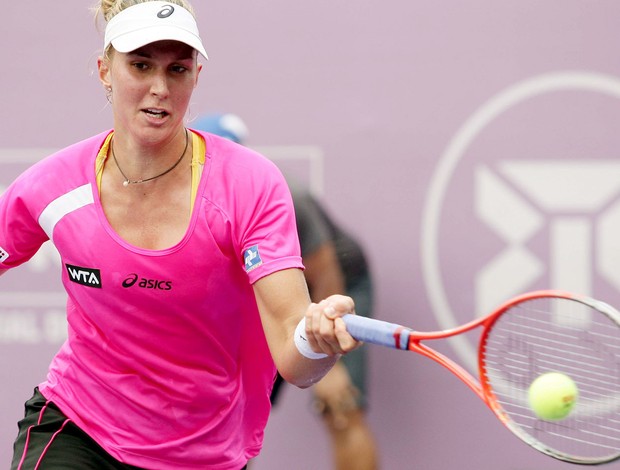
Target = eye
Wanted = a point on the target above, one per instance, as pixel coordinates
(178, 68)
(139, 65)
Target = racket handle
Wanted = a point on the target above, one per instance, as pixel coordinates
(377, 331)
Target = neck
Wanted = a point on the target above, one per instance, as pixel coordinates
(136, 169)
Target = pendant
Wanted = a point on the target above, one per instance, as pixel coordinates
(126, 183)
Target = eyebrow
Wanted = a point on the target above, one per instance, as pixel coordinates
(142, 53)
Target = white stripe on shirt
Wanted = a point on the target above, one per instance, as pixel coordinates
(64, 205)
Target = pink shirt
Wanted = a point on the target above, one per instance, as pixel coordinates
(166, 364)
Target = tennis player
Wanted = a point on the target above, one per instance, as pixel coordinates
(181, 262)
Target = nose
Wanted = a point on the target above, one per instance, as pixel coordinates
(159, 85)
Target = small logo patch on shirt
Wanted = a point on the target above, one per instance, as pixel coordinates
(85, 276)
(252, 258)
(135, 280)
(4, 255)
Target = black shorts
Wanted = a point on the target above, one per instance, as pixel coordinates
(48, 440)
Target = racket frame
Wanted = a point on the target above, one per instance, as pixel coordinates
(407, 339)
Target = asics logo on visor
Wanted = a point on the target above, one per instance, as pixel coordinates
(166, 11)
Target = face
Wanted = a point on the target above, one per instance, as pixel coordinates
(151, 89)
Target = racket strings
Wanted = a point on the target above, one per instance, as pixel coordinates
(554, 334)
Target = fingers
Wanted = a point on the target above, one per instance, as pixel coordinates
(325, 330)
(337, 305)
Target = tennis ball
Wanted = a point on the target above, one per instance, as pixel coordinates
(552, 396)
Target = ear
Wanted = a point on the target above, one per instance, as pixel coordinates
(103, 67)
(198, 70)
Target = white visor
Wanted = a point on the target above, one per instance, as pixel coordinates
(148, 22)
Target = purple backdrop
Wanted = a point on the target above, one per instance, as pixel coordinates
(438, 124)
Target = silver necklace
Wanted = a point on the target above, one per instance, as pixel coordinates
(127, 181)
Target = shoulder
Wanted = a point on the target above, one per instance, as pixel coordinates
(68, 158)
(231, 156)
(61, 171)
(239, 173)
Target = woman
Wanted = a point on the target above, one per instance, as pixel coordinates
(182, 267)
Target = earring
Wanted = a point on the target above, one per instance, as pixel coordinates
(108, 94)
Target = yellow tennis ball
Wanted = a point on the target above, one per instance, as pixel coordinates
(552, 396)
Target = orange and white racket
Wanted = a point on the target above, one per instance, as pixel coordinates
(530, 335)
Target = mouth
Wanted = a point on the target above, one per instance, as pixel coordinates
(156, 113)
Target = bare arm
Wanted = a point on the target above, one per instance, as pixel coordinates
(323, 272)
(352, 440)
(325, 277)
(283, 300)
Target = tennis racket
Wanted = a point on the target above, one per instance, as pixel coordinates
(535, 333)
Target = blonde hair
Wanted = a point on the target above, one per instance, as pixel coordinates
(107, 9)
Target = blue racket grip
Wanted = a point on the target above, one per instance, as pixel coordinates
(377, 331)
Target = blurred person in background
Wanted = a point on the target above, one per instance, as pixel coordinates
(334, 262)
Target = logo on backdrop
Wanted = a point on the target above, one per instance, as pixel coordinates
(526, 196)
